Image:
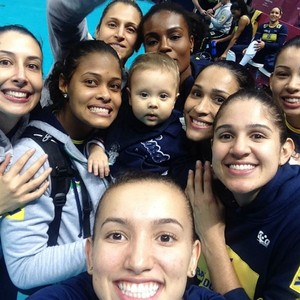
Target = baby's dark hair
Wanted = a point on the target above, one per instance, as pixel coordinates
(275, 111)
(67, 67)
(138, 176)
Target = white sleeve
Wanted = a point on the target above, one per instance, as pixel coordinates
(67, 24)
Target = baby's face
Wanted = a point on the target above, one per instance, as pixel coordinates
(152, 95)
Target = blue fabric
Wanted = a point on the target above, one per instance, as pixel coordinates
(266, 235)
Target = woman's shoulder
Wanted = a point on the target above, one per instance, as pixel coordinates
(194, 292)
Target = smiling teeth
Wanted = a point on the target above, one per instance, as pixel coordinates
(16, 94)
(99, 110)
(198, 123)
(139, 291)
(292, 100)
(241, 167)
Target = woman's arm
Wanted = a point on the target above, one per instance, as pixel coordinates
(199, 8)
(17, 189)
(30, 262)
(243, 22)
(67, 24)
(209, 221)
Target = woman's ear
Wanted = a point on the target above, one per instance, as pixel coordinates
(62, 85)
(129, 95)
(89, 255)
(194, 258)
(287, 150)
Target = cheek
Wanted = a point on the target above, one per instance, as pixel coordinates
(189, 105)
(131, 39)
(104, 33)
(106, 261)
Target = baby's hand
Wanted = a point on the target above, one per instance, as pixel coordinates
(98, 161)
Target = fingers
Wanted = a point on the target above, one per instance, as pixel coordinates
(19, 164)
(90, 166)
(35, 194)
(207, 178)
(98, 168)
(4, 164)
(106, 170)
(32, 170)
(33, 184)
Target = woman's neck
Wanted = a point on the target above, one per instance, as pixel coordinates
(273, 24)
(185, 74)
(293, 122)
(244, 199)
(7, 123)
(73, 127)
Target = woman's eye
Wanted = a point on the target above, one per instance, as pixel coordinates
(175, 37)
(34, 67)
(219, 100)
(116, 87)
(5, 62)
(112, 25)
(91, 82)
(167, 238)
(151, 43)
(258, 136)
(116, 236)
(196, 93)
(131, 29)
(225, 136)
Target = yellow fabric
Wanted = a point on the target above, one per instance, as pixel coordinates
(254, 20)
(247, 277)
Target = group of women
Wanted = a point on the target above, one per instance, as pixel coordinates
(245, 212)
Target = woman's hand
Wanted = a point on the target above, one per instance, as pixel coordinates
(208, 210)
(18, 189)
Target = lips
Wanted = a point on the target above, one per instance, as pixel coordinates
(151, 117)
(138, 290)
(292, 102)
(117, 45)
(16, 96)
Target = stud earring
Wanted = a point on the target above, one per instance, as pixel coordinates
(65, 95)
(193, 273)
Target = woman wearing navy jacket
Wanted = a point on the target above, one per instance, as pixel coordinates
(252, 235)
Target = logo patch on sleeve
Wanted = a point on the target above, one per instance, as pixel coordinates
(295, 285)
(17, 216)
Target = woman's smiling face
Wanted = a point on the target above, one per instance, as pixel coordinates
(94, 94)
(211, 88)
(143, 245)
(246, 148)
(20, 75)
